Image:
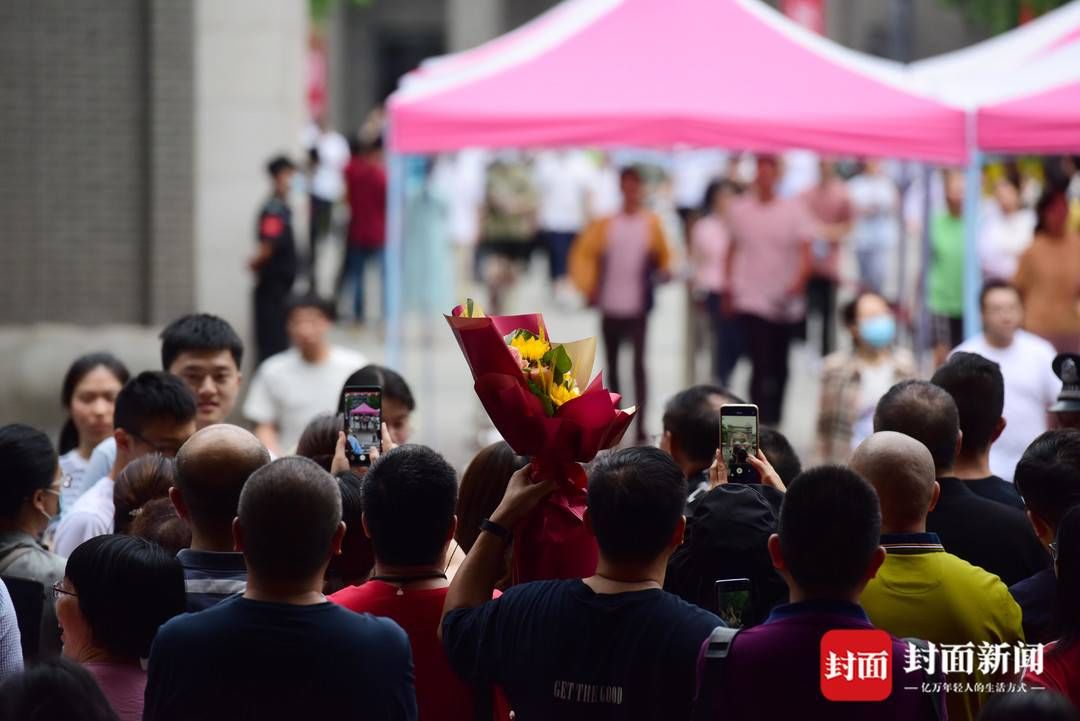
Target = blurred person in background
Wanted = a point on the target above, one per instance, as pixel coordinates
(875, 202)
(116, 592)
(294, 386)
(562, 180)
(365, 191)
(142, 481)
(30, 486)
(329, 152)
(159, 522)
(89, 396)
(1048, 276)
(54, 689)
(1006, 231)
(274, 262)
(1025, 361)
(507, 226)
(853, 381)
(710, 243)
(830, 204)
(945, 278)
(767, 271)
(616, 263)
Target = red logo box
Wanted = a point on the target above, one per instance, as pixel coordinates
(856, 665)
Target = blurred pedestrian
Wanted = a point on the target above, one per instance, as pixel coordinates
(274, 262)
(616, 262)
(875, 202)
(1007, 230)
(508, 226)
(562, 181)
(710, 244)
(830, 205)
(768, 270)
(1048, 276)
(365, 190)
(945, 279)
(329, 152)
(853, 381)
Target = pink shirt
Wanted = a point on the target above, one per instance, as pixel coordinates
(831, 205)
(768, 243)
(626, 257)
(709, 243)
(123, 686)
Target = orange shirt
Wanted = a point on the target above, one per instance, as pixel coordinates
(1049, 279)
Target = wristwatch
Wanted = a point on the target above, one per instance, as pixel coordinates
(495, 529)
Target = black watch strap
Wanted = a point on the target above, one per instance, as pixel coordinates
(495, 529)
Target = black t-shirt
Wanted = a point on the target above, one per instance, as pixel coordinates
(275, 227)
(997, 489)
(1036, 597)
(986, 533)
(561, 651)
(246, 660)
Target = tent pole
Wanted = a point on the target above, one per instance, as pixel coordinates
(922, 328)
(972, 198)
(395, 218)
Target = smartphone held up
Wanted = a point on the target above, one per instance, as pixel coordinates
(363, 423)
(739, 439)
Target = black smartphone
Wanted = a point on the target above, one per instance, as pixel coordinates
(733, 601)
(363, 423)
(739, 439)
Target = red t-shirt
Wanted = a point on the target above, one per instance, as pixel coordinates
(1061, 672)
(440, 694)
(366, 184)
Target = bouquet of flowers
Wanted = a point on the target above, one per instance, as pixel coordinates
(529, 386)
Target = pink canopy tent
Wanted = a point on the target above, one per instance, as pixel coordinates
(1046, 122)
(363, 410)
(658, 73)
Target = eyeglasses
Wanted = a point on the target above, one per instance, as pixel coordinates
(1053, 552)
(58, 591)
(164, 449)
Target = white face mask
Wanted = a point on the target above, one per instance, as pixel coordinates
(59, 505)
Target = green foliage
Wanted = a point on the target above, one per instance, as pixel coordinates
(997, 16)
(319, 10)
(559, 361)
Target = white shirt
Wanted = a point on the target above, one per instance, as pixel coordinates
(874, 382)
(1003, 239)
(691, 173)
(288, 391)
(91, 516)
(328, 182)
(101, 463)
(562, 179)
(875, 201)
(1030, 389)
(74, 467)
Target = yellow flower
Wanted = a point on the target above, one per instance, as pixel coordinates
(561, 394)
(531, 349)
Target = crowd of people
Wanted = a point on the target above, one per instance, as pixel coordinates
(160, 563)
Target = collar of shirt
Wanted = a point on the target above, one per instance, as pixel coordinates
(951, 486)
(212, 560)
(833, 608)
(911, 543)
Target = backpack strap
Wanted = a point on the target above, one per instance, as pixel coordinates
(708, 704)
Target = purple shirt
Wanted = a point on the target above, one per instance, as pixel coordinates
(626, 260)
(783, 654)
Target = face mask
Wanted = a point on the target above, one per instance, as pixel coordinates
(879, 331)
(59, 506)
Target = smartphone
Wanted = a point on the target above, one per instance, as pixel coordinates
(733, 601)
(739, 439)
(363, 423)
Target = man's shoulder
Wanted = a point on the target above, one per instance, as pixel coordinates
(275, 206)
(283, 362)
(347, 357)
(1033, 344)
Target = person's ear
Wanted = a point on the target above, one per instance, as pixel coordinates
(1042, 528)
(875, 563)
(959, 443)
(999, 428)
(37, 499)
(339, 536)
(668, 444)
(237, 535)
(935, 496)
(775, 554)
(363, 522)
(125, 444)
(453, 529)
(587, 520)
(177, 499)
(679, 534)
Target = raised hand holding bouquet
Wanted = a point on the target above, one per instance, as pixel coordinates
(529, 387)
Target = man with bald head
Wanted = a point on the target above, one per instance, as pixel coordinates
(921, 590)
(211, 469)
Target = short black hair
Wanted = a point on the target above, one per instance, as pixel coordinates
(1048, 474)
(79, 369)
(390, 381)
(27, 464)
(714, 188)
(830, 527)
(636, 498)
(925, 412)
(126, 587)
(777, 449)
(54, 688)
(289, 512)
(199, 332)
(409, 496)
(850, 311)
(978, 389)
(630, 171)
(150, 396)
(356, 557)
(311, 301)
(996, 284)
(692, 419)
(278, 164)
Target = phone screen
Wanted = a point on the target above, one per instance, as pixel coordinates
(733, 601)
(738, 439)
(363, 424)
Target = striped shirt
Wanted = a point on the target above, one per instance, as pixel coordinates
(210, 577)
